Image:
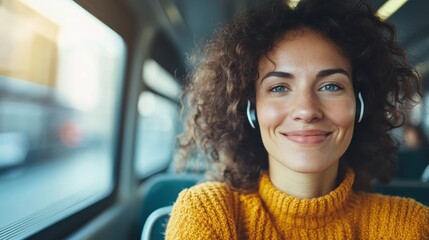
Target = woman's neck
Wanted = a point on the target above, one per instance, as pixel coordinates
(304, 185)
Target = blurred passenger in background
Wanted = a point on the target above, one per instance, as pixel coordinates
(413, 137)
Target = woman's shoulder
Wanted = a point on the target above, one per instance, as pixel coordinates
(382, 201)
(204, 211)
(208, 195)
(209, 190)
(401, 212)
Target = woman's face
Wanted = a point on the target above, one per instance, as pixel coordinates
(305, 103)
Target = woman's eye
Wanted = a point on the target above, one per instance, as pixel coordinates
(331, 87)
(278, 89)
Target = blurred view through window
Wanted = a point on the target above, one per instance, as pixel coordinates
(60, 81)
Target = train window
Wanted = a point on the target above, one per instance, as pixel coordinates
(156, 133)
(60, 81)
(158, 118)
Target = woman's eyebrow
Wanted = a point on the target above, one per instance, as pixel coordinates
(320, 74)
(328, 72)
(278, 74)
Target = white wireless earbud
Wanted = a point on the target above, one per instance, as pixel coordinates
(251, 114)
(360, 108)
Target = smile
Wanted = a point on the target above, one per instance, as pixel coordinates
(307, 137)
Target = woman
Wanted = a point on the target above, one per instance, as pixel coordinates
(292, 108)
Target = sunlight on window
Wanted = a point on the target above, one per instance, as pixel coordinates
(159, 79)
(82, 44)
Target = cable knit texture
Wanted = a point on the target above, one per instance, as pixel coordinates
(214, 211)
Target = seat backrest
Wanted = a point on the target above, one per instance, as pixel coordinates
(154, 226)
(411, 163)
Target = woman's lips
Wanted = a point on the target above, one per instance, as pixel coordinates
(308, 137)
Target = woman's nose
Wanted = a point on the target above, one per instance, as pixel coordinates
(306, 108)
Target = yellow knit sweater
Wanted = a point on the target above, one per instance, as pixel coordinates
(214, 211)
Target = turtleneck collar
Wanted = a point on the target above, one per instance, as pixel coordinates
(310, 212)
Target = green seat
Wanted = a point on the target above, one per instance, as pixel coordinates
(161, 191)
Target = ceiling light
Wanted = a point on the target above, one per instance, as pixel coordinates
(293, 3)
(389, 8)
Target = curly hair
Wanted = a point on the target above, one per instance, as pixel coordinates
(225, 76)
